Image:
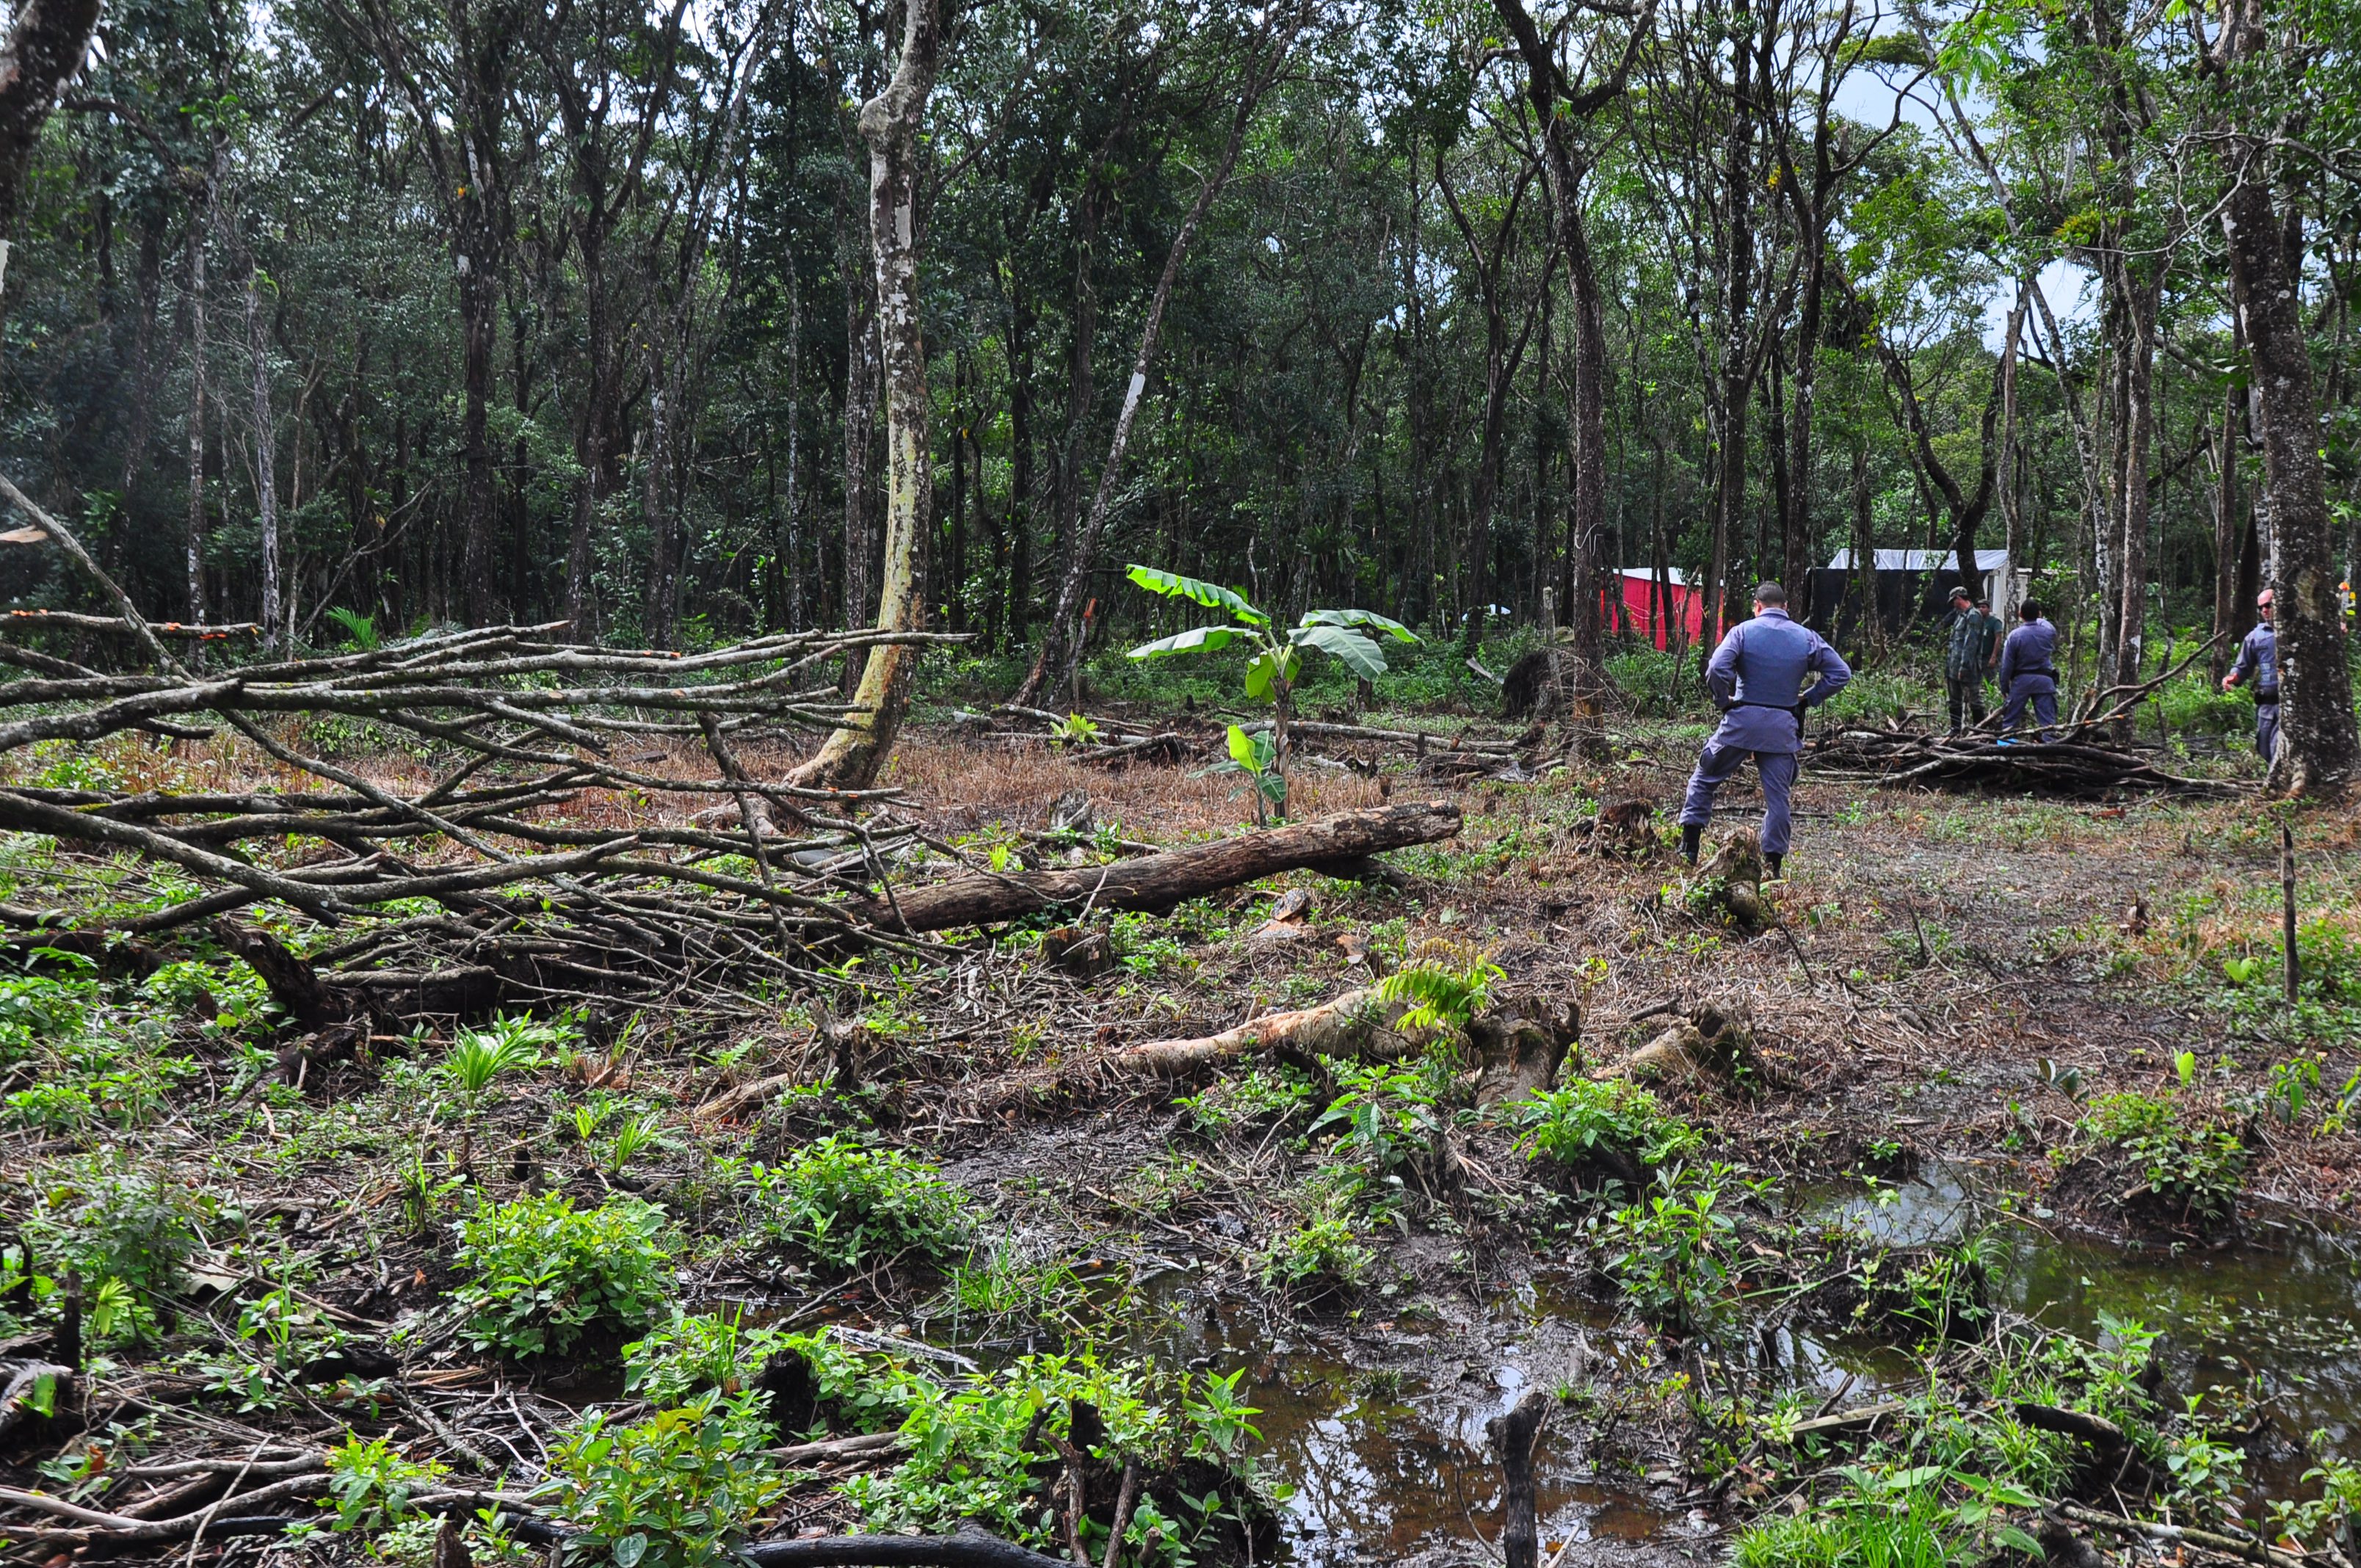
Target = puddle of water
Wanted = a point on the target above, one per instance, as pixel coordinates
(1382, 1466)
(2280, 1312)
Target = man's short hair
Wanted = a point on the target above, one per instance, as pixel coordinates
(1963, 594)
(2028, 610)
(1983, 604)
(1771, 593)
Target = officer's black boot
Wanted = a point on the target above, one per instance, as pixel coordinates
(1689, 837)
(1773, 861)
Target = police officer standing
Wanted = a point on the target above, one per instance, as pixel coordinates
(1757, 678)
(2028, 671)
(2258, 659)
(1972, 647)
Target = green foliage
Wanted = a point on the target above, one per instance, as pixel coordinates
(1389, 1111)
(1075, 729)
(1320, 1253)
(1250, 1100)
(1674, 1242)
(1447, 985)
(373, 1485)
(849, 1206)
(360, 631)
(480, 1056)
(1923, 1516)
(681, 1489)
(2197, 1166)
(105, 1218)
(968, 1453)
(543, 1272)
(2319, 1519)
(1003, 1280)
(1584, 1119)
(697, 1354)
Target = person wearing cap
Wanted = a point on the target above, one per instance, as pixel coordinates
(1972, 647)
(2259, 660)
(2028, 672)
(1758, 677)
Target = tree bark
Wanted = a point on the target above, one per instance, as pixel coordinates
(2318, 747)
(44, 49)
(265, 476)
(200, 225)
(889, 123)
(2141, 299)
(1161, 882)
(2228, 613)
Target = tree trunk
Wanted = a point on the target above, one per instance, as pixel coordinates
(2141, 297)
(200, 224)
(1162, 881)
(1738, 187)
(889, 123)
(2229, 615)
(265, 476)
(1023, 485)
(2318, 747)
(44, 49)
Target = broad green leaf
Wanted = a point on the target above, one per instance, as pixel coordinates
(1369, 618)
(1188, 641)
(1242, 747)
(1362, 656)
(1212, 595)
(628, 1552)
(1265, 669)
(2010, 1535)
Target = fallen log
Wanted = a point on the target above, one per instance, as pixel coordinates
(1359, 1023)
(1158, 882)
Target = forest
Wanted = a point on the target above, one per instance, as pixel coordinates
(820, 783)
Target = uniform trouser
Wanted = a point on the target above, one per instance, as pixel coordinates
(1717, 763)
(2266, 729)
(2041, 691)
(1967, 697)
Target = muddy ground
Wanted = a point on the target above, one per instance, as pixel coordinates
(1948, 982)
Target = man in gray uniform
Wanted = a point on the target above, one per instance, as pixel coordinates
(2259, 660)
(1757, 678)
(1966, 656)
(2028, 671)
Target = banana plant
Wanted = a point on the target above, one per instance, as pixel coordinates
(1355, 636)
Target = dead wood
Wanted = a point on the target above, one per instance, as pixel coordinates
(1359, 1023)
(1514, 1437)
(2071, 769)
(1158, 882)
(1707, 1043)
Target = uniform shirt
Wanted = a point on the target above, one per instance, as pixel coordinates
(1971, 647)
(1756, 677)
(2031, 649)
(2259, 660)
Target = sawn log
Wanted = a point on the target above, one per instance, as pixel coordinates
(1160, 882)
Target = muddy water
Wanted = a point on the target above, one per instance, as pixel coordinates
(1381, 1463)
(2277, 1311)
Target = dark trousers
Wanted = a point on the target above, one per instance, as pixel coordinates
(2041, 691)
(1967, 693)
(2266, 729)
(1717, 763)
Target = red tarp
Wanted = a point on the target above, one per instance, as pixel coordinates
(1640, 590)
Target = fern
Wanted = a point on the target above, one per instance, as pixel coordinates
(361, 628)
(1449, 984)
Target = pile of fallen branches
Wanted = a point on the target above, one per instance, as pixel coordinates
(544, 820)
(2071, 769)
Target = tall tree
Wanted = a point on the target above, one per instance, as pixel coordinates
(889, 124)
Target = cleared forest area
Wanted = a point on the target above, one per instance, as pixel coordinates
(812, 785)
